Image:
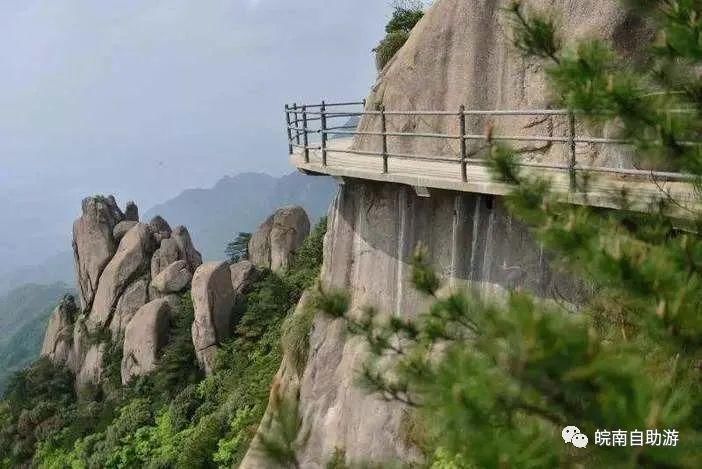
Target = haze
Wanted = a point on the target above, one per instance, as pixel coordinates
(145, 99)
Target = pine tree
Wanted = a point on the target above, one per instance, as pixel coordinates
(495, 383)
(238, 250)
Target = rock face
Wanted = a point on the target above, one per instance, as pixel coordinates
(186, 248)
(94, 244)
(91, 368)
(116, 260)
(134, 297)
(373, 231)
(167, 254)
(145, 337)
(161, 228)
(58, 341)
(213, 301)
(131, 212)
(461, 53)
(122, 228)
(173, 278)
(277, 239)
(130, 262)
(244, 275)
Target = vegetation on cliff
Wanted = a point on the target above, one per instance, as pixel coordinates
(172, 418)
(24, 313)
(494, 383)
(406, 14)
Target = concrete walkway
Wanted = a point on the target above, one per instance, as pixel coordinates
(605, 188)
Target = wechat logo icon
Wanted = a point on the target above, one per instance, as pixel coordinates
(573, 436)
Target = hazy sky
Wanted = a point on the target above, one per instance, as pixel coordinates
(145, 98)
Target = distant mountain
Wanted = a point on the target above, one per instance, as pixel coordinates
(240, 203)
(24, 314)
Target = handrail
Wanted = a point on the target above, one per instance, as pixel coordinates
(297, 118)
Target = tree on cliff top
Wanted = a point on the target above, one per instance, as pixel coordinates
(238, 250)
(495, 383)
(406, 14)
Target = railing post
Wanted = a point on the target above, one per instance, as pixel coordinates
(383, 131)
(304, 134)
(323, 119)
(464, 150)
(287, 124)
(571, 147)
(297, 122)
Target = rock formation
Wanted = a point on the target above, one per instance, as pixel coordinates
(134, 296)
(173, 278)
(122, 228)
(131, 212)
(94, 244)
(59, 333)
(213, 302)
(130, 263)
(244, 274)
(461, 53)
(145, 337)
(186, 248)
(161, 228)
(91, 368)
(165, 255)
(277, 239)
(121, 265)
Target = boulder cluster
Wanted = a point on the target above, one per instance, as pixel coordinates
(277, 238)
(131, 277)
(218, 286)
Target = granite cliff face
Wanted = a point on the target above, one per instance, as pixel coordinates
(459, 54)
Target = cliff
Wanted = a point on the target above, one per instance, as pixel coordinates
(458, 54)
(461, 53)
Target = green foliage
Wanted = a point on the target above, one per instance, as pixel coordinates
(295, 338)
(388, 47)
(307, 261)
(535, 36)
(404, 18)
(174, 417)
(33, 407)
(177, 367)
(24, 315)
(338, 460)
(238, 249)
(333, 303)
(282, 439)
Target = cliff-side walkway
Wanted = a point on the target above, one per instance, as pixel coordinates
(327, 139)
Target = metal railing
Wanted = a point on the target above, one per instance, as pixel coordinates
(304, 121)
